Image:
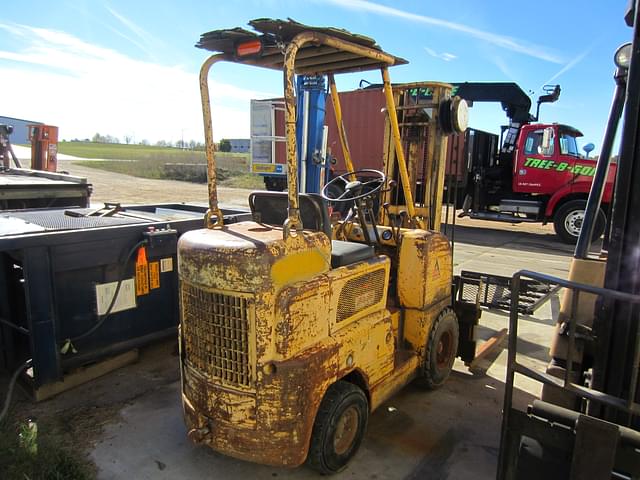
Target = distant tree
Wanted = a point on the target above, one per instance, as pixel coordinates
(128, 139)
(224, 145)
(161, 143)
(144, 141)
(192, 144)
(97, 138)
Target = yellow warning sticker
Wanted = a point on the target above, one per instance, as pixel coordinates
(154, 275)
(142, 272)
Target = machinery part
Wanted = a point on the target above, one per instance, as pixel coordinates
(454, 115)
(6, 151)
(602, 167)
(123, 267)
(12, 384)
(356, 186)
(494, 291)
(339, 428)
(567, 221)
(275, 184)
(44, 147)
(442, 346)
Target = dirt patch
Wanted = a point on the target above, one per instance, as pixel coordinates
(69, 424)
(117, 187)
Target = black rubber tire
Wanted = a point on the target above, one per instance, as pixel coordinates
(341, 397)
(568, 214)
(275, 184)
(441, 351)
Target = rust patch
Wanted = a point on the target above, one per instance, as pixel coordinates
(287, 402)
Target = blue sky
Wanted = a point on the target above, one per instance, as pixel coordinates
(130, 67)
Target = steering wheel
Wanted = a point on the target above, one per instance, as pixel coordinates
(354, 188)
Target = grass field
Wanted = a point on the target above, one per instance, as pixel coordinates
(150, 162)
(116, 151)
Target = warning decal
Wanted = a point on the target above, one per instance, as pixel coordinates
(142, 272)
(154, 275)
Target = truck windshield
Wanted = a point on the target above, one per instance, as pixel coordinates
(568, 145)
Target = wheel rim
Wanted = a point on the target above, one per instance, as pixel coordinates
(346, 430)
(443, 350)
(573, 222)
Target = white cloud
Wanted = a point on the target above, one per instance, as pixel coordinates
(447, 57)
(83, 88)
(568, 66)
(502, 41)
(145, 42)
(504, 68)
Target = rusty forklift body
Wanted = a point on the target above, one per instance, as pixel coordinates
(294, 329)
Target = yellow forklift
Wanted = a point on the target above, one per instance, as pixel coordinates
(297, 325)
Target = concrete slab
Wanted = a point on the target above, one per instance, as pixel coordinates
(452, 433)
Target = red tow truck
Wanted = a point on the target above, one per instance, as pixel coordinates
(538, 173)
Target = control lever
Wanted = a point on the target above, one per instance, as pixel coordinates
(393, 224)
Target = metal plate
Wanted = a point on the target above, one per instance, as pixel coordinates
(55, 220)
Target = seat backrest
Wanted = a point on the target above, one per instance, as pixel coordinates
(270, 208)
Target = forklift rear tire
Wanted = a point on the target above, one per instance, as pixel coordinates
(441, 351)
(567, 222)
(339, 428)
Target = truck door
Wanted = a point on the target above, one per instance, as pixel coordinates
(540, 169)
(580, 171)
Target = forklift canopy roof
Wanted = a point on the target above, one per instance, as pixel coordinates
(274, 35)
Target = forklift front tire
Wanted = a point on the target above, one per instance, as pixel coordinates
(339, 428)
(442, 347)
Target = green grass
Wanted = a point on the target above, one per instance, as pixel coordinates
(150, 162)
(117, 151)
(250, 181)
(55, 458)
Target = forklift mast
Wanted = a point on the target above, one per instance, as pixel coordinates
(311, 96)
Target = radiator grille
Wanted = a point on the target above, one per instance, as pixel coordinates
(360, 293)
(216, 334)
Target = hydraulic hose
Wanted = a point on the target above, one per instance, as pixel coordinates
(12, 384)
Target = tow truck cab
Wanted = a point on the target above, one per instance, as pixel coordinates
(538, 177)
(553, 166)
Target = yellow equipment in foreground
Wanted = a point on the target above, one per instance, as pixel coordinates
(289, 339)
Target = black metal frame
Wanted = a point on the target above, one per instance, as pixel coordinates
(516, 423)
(494, 291)
(614, 365)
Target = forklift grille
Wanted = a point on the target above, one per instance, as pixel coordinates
(216, 334)
(360, 293)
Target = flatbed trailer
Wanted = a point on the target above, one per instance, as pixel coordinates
(26, 188)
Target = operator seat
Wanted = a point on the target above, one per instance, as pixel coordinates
(270, 208)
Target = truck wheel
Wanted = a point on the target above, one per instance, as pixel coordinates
(274, 184)
(339, 428)
(441, 351)
(568, 219)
